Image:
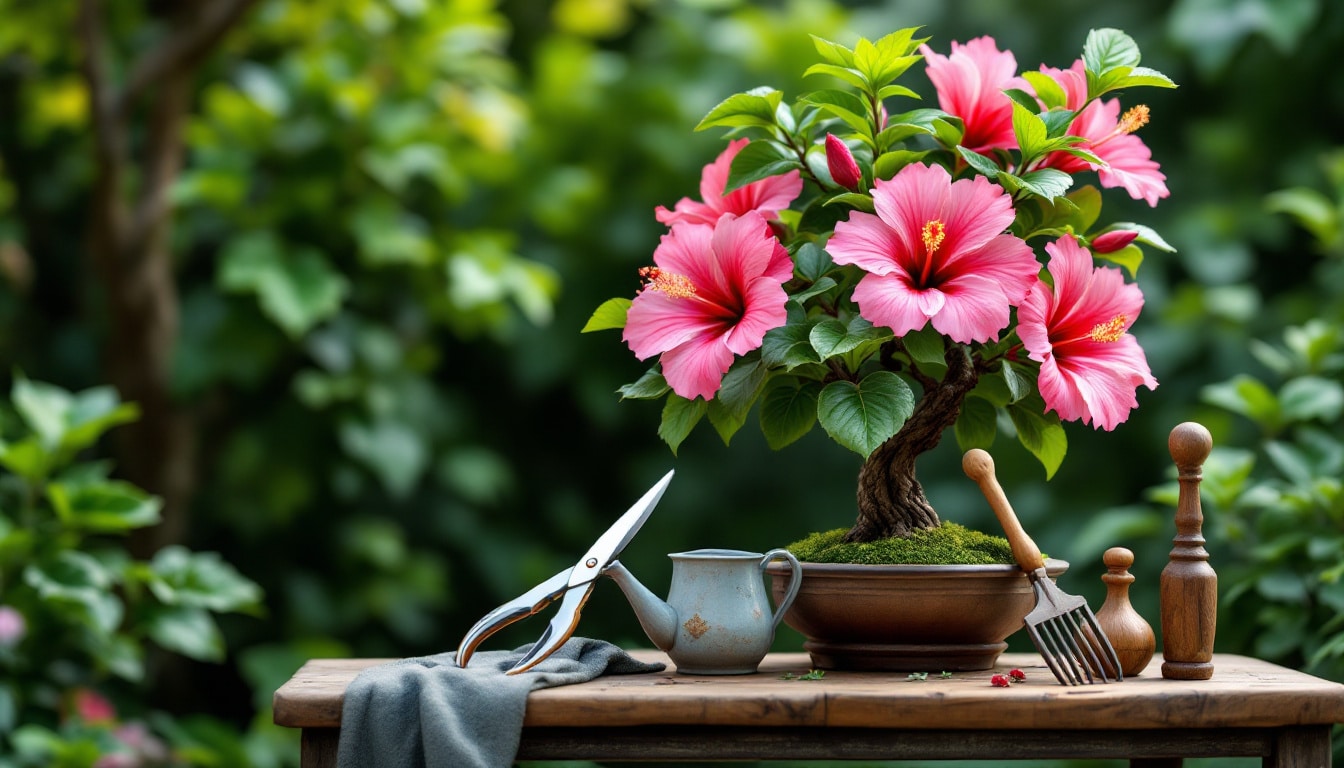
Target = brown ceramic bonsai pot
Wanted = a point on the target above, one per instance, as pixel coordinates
(916, 618)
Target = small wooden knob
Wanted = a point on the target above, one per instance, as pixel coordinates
(1130, 635)
(1190, 444)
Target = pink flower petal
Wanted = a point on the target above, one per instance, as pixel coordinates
(696, 368)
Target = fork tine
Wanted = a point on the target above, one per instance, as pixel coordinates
(1104, 645)
(1068, 632)
(1060, 650)
(1087, 652)
(1047, 654)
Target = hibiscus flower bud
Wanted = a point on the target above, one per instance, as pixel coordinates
(1110, 242)
(840, 162)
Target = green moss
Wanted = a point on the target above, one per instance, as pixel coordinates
(949, 543)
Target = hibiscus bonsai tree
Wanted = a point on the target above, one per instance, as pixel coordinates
(891, 272)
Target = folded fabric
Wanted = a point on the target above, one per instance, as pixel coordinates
(429, 712)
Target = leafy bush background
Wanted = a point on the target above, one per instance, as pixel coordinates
(394, 216)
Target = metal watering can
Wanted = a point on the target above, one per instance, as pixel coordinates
(716, 619)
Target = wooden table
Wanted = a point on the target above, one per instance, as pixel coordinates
(1249, 708)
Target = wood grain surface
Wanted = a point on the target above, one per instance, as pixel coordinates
(1244, 693)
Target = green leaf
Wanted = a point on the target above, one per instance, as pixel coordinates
(1130, 257)
(1046, 182)
(394, 451)
(755, 107)
(1140, 76)
(982, 165)
(925, 346)
(608, 315)
(1040, 433)
(1018, 384)
(858, 200)
(679, 417)
(1047, 89)
(758, 160)
(1309, 398)
(103, 507)
(1030, 131)
(861, 417)
(848, 74)
(1087, 199)
(834, 53)
(27, 459)
(295, 290)
(649, 386)
(1107, 49)
(187, 630)
(1312, 210)
(811, 262)
(738, 392)
(78, 586)
(845, 105)
(789, 346)
(1248, 396)
(788, 410)
(43, 407)
(977, 424)
(201, 580)
(888, 164)
(821, 286)
(831, 337)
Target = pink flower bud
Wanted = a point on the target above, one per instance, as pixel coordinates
(1110, 242)
(12, 626)
(93, 708)
(840, 162)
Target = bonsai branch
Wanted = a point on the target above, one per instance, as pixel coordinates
(891, 500)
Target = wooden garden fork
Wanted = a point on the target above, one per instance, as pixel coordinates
(1064, 629)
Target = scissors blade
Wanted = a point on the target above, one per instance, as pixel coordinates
(558, 630)
(610, 543)
(526, 604)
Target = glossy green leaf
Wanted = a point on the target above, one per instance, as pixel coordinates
(755, 107)
(1147, 235)
(103, 507)
(835, 53)
(888, 164)
(680, 417)
(1050, 92)
(811, 262)
(1040, 433)
(608, 315)
(296, 289)
(758, 160)
(1246, 395)
(857, 200)
(845, 105)
(740, 388)
(788, 410)
(863, 416)
(201, 579)
(925, 345)
(187, 630)
(789, 346)
(1130, 257)
(850, 75)
(1311, 398)
(650, 386)
(1106, 48)
(977, 425)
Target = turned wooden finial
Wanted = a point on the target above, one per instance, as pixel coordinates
(1189, 584)
(1130, 635)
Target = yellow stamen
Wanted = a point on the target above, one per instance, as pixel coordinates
(934, 232)
(1111, 330)
(670, 283)
(1134, 119)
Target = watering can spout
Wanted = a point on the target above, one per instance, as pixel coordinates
(658, 619)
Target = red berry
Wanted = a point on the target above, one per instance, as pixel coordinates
(1000, 681)
(1017, 675)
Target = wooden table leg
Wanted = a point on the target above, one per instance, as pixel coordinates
(1301, 747)
(317, 747)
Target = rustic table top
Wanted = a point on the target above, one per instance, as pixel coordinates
(1243, 693)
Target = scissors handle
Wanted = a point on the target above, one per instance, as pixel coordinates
(518, 608)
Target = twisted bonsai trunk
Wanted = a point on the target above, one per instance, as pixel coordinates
(891, 500)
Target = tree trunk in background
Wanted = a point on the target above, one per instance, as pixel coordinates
(131, 217)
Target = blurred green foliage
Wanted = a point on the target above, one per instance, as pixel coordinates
(394, 216)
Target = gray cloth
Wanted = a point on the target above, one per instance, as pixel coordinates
(429, 712)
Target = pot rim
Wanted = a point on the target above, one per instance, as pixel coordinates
(1053, 567)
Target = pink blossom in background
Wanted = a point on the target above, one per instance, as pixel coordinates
(767, 196)
(92, 707)
(970, 83)
(712, 295)
(1110, 136)
(936, 252)
(13, 628)
(1091, 366)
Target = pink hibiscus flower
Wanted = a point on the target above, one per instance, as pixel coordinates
(1110, 136)
(936, 252)
(1091, 366)
(714, 293)
(766, 196)
(970, 84)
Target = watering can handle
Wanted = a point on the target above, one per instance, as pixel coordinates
(795, 580)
